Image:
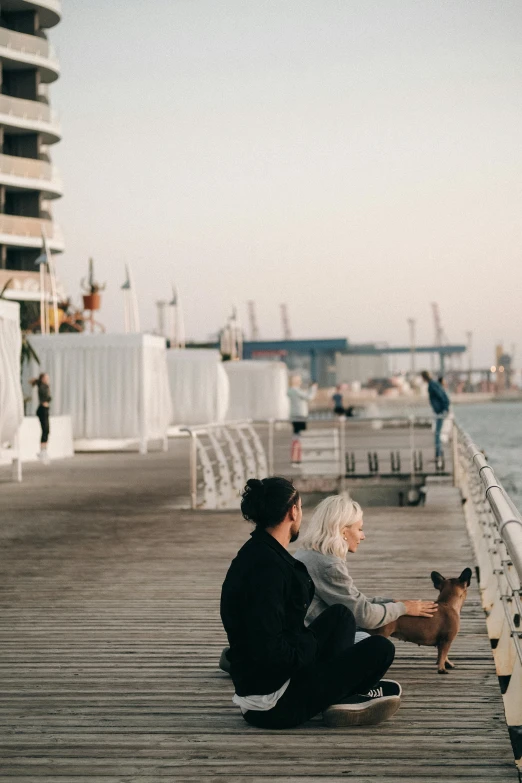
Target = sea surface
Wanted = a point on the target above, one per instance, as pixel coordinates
(496, 427)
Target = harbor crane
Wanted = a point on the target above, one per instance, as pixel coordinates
(287, 332)
(440, 337)
(411, 326)
(254, 329)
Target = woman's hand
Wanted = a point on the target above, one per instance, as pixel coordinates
(420, 608)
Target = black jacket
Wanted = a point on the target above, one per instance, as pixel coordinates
(264, 600)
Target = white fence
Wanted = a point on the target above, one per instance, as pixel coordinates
(222, 458)
(495, 528)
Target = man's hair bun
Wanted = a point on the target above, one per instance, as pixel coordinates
(266, 502)
(255, 484)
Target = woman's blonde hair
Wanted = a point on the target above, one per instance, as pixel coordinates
(324, 529)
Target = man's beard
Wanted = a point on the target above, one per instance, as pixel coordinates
(294, 536)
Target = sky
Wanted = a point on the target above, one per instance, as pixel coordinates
(355, 159)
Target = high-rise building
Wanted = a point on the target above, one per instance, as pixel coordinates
(28, 129)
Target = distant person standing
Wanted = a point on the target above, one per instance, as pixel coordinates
(299, 399)
(440, 404)
(44, 401)
(337, 399)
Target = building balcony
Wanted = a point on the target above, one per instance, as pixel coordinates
(18, 50)
(49, 11)
(16, 231)
(18, 114)
(28, 174)
(25, 286)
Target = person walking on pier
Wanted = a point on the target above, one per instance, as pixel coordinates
(44, 400)
(299, 399)
(440, 404)
(285, 672)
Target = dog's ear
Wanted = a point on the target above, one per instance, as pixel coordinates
(465, 576)
(437, 579)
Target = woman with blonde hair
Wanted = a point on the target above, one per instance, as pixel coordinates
(336, 528)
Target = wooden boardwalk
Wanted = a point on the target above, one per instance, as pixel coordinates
(110, 636)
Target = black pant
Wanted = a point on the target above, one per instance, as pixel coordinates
(43, 414)
(341, 669)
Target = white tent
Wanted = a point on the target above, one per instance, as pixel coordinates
(115, 387)
(258, 390)
(11, 399)
(199, 386)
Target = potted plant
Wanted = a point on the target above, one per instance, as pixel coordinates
(91, 296)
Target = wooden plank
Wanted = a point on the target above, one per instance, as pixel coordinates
(110, 635)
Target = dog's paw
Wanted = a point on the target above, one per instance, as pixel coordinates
(449, 665)
(442, 671)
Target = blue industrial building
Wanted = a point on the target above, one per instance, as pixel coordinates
(315, 360)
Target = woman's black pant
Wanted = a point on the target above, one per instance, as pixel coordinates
(43, 414)
(341, 669)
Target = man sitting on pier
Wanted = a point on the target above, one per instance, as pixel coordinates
(285, 673)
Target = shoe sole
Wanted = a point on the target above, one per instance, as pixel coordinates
(376, 711)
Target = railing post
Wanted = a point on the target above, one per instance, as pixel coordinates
(342, 453)
(412, 449)
(455, 452)
(271, 425)
(193, 472)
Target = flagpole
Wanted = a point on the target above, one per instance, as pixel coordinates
(134, 303)
(42, 300)
(52, 278)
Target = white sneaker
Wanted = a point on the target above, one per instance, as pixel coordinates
(43, 456)
(379, 704)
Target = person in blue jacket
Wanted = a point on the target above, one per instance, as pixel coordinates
(440, 403)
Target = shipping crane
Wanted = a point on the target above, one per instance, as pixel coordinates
(440, 336)
(287, 332)
(254, 330)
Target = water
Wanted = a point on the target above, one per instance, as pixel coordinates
(496, 427)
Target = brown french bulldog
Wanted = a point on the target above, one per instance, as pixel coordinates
(441, 629)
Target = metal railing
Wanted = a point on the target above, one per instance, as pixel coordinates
(338, 448)
(224, 455)
(222, 458)
(495, 528)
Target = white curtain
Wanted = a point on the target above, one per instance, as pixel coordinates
(158, 406)
(258, 390)
(11, 398)
(199, 386)
(104, 381)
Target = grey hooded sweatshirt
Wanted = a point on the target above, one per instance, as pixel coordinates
(334, 585)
